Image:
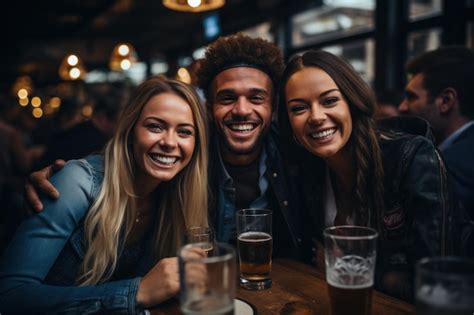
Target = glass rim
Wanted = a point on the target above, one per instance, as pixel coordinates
(327, 232)
(254, 212)
(203, 230)
(422, 266)
(229, 255)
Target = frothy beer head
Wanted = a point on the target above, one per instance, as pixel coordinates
(254, 237)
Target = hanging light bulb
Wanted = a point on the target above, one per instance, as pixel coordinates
(71, 68)
(123, 57)
(193, 5)
(22, 87)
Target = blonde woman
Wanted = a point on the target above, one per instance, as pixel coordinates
(107, 244)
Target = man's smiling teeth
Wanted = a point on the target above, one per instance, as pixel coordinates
(164, 159)
(323, 134)
(242, 127)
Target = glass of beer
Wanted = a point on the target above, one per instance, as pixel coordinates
(255, 245)
(207, 283)
(444, 285)
(200, 234)
(350, 253)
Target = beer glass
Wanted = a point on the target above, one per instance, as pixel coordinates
(444, 285)
(350, 263)
(200, 234)
(255, 245)
(207, 284)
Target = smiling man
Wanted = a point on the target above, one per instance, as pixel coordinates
(239, 76)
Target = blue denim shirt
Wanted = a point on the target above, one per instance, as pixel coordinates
(225, 225)
(43, 238)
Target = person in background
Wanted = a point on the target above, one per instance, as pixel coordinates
(353, 175)
(18, 154)
(87, 136)
(440, 91)
(387, 104)
(107, 244)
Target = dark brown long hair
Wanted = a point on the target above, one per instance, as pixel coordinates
(367, 162)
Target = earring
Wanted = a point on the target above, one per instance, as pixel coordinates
(296, 140)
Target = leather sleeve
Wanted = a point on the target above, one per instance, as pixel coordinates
(426, 200)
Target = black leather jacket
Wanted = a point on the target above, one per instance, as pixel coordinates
(417, 220)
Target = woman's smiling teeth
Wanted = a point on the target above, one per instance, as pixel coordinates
(242, 127)
(323, 134)
(163, 159)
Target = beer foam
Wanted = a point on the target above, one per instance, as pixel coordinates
(368, 284)
(253, 236)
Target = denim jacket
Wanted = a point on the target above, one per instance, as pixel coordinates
(47, 249)
(276, 186)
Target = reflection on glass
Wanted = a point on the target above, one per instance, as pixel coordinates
(424, 8)
(424, 40)
(360, 54)
(333, 18)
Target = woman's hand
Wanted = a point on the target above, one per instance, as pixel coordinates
(160, 283)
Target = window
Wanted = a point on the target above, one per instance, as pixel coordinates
(260, 31)
(360, 54)
(470, 35)
(425, 8)
(423, 40)
(334, 18)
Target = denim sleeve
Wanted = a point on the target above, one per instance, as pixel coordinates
(38, 242)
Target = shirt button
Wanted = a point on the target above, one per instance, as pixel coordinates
(285, 203)
(275, 175)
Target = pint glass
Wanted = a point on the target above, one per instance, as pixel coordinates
(255, 245)
(200, 234)
(350, 253)
(444, 285)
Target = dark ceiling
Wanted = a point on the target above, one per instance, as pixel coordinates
(40, 33)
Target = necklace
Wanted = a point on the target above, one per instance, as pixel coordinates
(138, 216)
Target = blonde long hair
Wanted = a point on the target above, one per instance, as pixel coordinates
(182, 200)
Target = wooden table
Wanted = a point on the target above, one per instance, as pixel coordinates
(297, 282)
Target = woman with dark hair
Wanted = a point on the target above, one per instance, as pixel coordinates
(356, 175)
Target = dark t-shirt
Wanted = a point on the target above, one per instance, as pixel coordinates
(245, 181)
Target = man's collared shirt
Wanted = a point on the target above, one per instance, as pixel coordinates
(450, 140)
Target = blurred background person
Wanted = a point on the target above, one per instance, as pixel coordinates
(17, 156)
(78, 139)
(440, 91)
(387, 104)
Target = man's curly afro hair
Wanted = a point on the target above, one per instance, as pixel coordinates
(240, 49)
